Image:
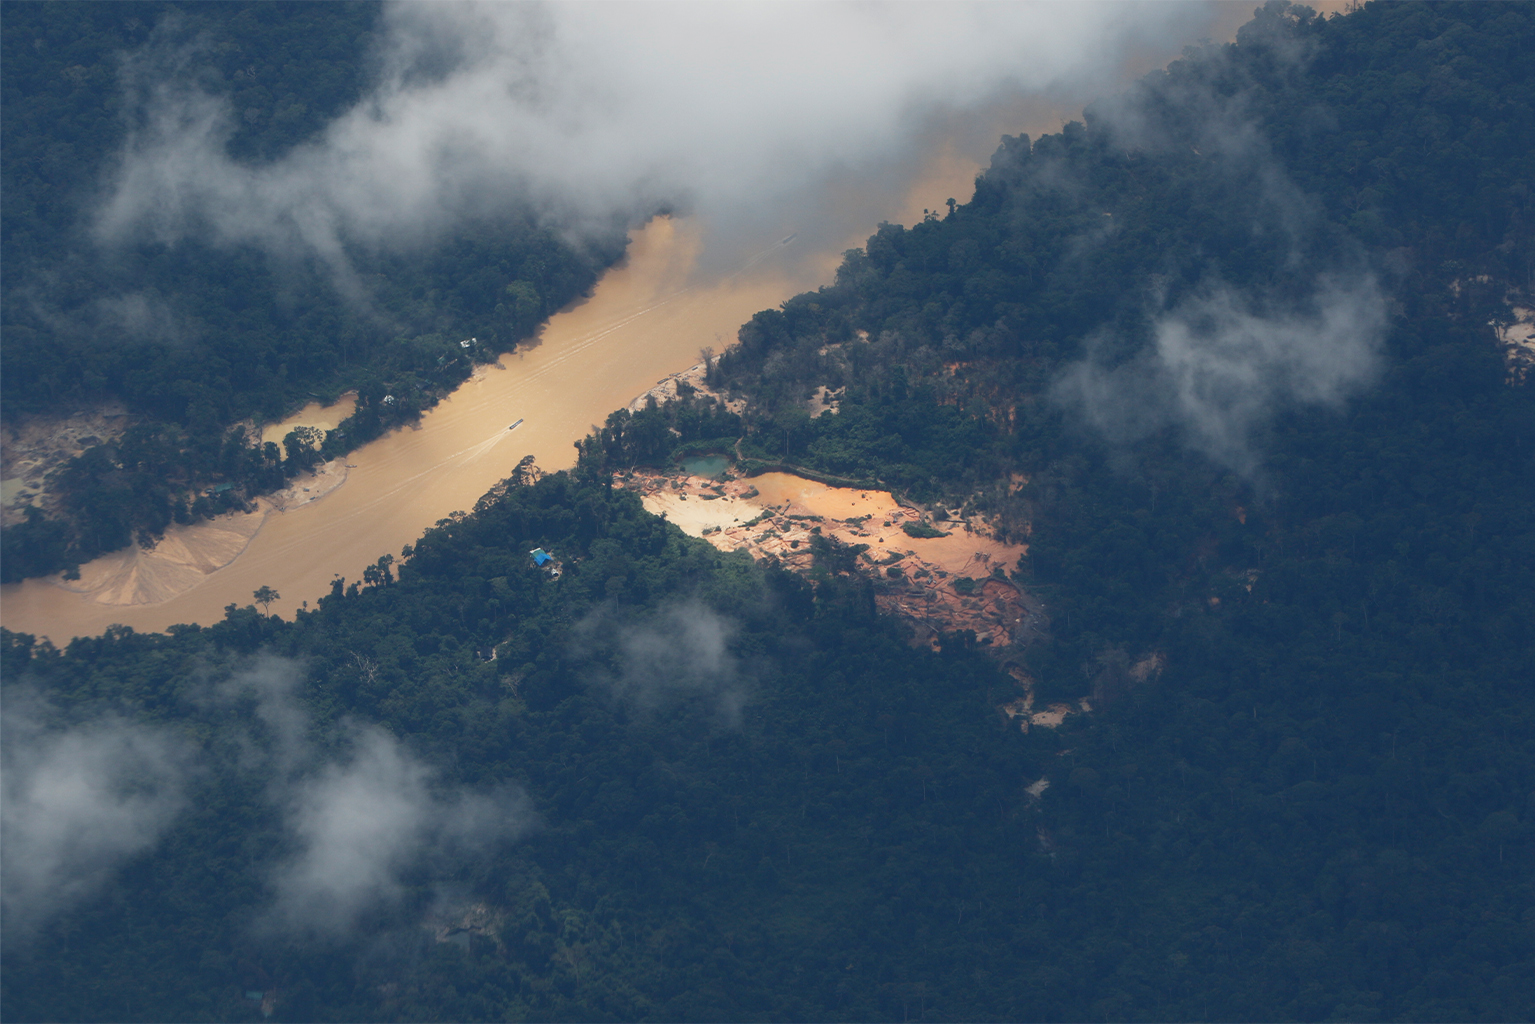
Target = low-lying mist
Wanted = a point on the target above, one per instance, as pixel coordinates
(756, 118)
(359, 811)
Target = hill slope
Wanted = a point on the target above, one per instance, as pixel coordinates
(676, 784)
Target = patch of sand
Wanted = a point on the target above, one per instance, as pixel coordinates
(1519, 342)
(777, 515)
(665, 390)
(1051, 717)
(310, 487)
(186, 555)
(178, 562)
(11, 489)
(1022, 710)
(823, 401)
(694, 514)
(1515, 334)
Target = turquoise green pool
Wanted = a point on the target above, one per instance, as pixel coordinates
(705, 465)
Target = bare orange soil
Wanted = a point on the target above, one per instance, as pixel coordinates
(776, 515)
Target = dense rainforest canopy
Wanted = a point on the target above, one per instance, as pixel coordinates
(670, 783)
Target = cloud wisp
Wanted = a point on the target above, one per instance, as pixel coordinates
(363, 823)
(361, 813)
(1224, 360)
(1221, 366)
(587, 112)
(680, 650)
(360, 816)
(78, 801)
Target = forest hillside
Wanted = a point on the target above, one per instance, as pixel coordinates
(1228, 354)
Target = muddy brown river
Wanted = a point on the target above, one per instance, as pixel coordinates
(647, 318)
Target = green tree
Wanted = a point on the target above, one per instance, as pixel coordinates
(265, 596)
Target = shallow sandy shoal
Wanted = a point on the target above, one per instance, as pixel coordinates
(185, 555)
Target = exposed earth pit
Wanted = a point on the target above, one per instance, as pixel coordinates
(36, 447)
(1518, 339)
(939, 584)
(315, 414)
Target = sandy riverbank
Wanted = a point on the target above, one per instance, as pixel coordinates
(32, 450)
(666, 390)
(186, 554)
(648, 317)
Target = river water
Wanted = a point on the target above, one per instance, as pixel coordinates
(647, 318)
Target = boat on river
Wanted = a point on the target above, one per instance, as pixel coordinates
(515, 425)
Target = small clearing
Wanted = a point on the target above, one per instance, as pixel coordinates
(1022, 709)
(822, 401)
(939, 584)
(33, 449)
(1518, 339)
(665, 390)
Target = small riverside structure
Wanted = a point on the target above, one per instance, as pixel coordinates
(544, 560)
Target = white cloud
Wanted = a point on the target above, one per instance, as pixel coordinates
(1221, 366)
(358, 818)
(360, 824)
(1224, 362)
(681, 649)
(77, 802)
(282, 745)
(591, 110)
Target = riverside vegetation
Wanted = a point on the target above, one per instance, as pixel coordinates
(1319, 809)
(204, 337)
